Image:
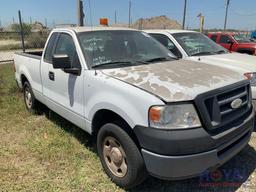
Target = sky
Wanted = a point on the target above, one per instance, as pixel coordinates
(242, 13)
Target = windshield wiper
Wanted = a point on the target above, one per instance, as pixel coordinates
(203, 53)
(157, 59)
(112, 63)
(221, 51)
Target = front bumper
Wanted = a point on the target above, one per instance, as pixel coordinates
(186, 153)
(254, 104)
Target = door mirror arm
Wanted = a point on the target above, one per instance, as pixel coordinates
(73, 71)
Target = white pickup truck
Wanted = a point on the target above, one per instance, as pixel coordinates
(194, 46)
(151, 114)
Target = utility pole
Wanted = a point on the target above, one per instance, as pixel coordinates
(226, 15)
(130, 5)
(30, 20)
(201, 20)
(115, 17)
(21, 32)
(80, 13)
(53, 24)
(184, 15)
(45, 22)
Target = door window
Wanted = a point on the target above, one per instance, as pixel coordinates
(165, 41)
(66, 46)
(225, 39)
(49, 49)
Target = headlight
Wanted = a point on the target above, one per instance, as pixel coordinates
(251, 77)
(177, 116)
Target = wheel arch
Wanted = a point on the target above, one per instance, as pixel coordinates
(104, 116)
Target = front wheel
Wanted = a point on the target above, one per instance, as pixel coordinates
(120, 157)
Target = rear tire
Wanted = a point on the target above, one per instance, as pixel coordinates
(32, 105)
(119, 155)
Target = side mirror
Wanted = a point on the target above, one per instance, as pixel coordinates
(61, 61)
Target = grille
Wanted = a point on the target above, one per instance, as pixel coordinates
(216, 110)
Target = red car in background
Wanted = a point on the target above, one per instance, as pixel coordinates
(234, 42)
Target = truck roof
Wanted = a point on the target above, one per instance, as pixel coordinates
(86, 29)
(171, 31)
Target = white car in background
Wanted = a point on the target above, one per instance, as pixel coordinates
(194, 46)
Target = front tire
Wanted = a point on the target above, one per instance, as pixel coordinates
(32, 105)
(120, 157)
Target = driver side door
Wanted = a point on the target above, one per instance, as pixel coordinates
(66, 90)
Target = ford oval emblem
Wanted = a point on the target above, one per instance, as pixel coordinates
(236, 103)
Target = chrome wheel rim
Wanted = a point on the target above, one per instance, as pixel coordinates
(28, 98)
(115, 157)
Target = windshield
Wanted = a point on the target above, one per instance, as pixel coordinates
(119, 48)
(197, 44)
(241, 39)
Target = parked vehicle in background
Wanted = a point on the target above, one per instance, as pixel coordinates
(253, 36)
(194, 46)
(149, 112)
(234, 42)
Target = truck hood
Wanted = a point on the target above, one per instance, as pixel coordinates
(242, 63)
(175, 80)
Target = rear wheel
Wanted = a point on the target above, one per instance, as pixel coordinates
(119, 155)
(32, 105)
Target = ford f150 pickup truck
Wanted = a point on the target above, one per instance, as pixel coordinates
(149, 112)
(234, 42)
(194, 46)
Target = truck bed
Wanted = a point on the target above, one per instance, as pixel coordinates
(32, 54)
(28, 64)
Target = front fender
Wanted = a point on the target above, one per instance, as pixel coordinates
(129, 102)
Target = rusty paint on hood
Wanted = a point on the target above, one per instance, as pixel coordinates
(176, 80)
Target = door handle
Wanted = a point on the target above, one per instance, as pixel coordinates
(51, 75)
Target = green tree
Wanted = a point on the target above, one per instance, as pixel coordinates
(26, 28)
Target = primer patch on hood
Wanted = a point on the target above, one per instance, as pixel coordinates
(176, 80)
